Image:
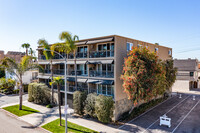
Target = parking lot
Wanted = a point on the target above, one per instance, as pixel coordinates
(184, 113)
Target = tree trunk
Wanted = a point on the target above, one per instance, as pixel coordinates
(75, 67)
(20, 93)
(59, 103)
(26, 51)
(52, 90)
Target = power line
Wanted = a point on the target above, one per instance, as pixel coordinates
(197, 49)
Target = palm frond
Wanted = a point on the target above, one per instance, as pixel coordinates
(57, 80)
(66, 36)
(46, 51)
(9, 62)
(25, 45)
(76, 38)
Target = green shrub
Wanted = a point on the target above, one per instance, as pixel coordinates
(104, 108)
(7, 85)
(39, 93)
(90, 104)
(49, 106)
(79, 101)
(16, 91)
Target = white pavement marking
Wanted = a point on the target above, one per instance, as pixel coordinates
(165, 113)
(144, 113)
(185, 116)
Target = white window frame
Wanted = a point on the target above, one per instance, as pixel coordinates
(170, 52)
(156, 49)
(112, 93)
(130, 46)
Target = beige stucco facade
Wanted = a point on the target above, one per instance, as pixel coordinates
(117, 46)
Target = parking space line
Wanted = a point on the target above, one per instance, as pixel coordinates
(145, 112)
(165, 113)
(185, 116)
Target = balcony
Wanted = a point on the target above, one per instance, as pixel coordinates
(81, 55)
(46, 71)
(104, 74)
(78, 72)
(72, 88)
(100, 54)
(56, 56)
(62, 87)
(78, 55)
(59, 71)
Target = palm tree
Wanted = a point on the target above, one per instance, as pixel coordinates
(26, 45)
(58, 81)
(31, 52)
(18, 69)
(67, 47)
(48, 56)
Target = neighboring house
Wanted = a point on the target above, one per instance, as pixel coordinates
(99, 67)
(12, 54)
(29, 76)
(188, 74)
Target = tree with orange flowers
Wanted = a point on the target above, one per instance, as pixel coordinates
(143, 75)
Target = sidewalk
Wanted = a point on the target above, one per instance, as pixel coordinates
(47, 115)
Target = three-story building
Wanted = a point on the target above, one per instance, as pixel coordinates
(99, 67)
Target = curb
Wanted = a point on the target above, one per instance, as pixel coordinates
(18, 118)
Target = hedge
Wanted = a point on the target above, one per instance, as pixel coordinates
(104, 108)
(39, 93)
(90, 104)
(7, 85)
(79, 102)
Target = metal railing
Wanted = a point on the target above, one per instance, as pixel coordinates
(78, 55)
(92, 54)
(78, 72)
(99, 54)
(105, 74)
(47, 71)
(59, 71)
(81, 55)
(79, 88)
(56, 56)
(62, 87)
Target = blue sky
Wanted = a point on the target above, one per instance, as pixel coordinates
(172, 23)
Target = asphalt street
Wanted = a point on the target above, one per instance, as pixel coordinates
(8, 99)
(9, 124)
(184, 114)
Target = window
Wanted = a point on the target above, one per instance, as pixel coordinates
(81, 69)
(129, 46)
(82, 52)
(170, 52)
(156, 49)
(191, 74)
(106, 90)
(99, 90)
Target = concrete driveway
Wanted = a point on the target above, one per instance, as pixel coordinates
(9, 99)
(184, 114)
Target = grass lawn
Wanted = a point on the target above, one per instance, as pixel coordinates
(25, 110)
(72, 128)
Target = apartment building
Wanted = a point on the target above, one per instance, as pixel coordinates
(99, 67)
(12, 54)
(188, 75)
